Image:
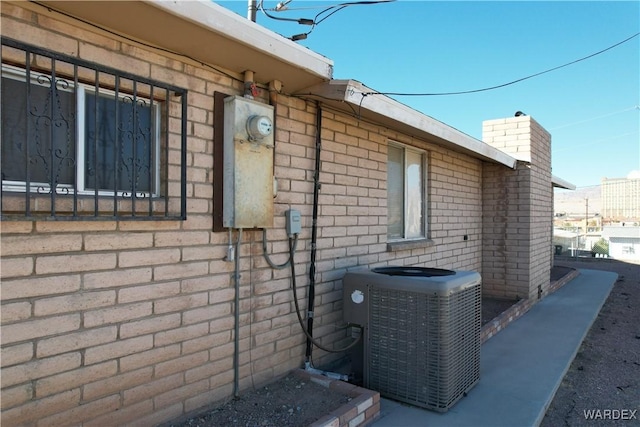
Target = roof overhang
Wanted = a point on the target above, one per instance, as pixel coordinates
(558, 182)
(354, 98)
(208, 33)
(621, 232)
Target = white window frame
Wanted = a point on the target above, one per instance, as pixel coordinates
(80, 92)
(423, 235)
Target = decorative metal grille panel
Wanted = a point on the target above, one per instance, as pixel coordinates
(81, 140)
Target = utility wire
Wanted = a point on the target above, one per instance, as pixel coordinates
(278, 18)
(316, 20)
(635, 107)
(504, 84)
(599, 141)
(285, 8)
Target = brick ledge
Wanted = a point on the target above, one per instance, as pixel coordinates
(363, 408)
(521, 307)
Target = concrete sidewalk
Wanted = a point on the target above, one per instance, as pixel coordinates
(522, 366)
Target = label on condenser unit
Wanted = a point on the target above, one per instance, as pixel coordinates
(357, 297)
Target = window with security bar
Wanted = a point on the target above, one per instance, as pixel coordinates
(80, 140)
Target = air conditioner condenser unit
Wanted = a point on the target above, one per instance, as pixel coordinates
(421, 326)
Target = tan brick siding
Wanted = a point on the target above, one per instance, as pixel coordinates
(132, 321)
(518, 209)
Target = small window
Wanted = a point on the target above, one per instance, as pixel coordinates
(124, 134)
(406, 199)
(81, 140)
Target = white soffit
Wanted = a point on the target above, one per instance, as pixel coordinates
(347, 96)
(208, 33)
(221, 20)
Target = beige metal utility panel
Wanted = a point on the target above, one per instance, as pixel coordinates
(248, 163)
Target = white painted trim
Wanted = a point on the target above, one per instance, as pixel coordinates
(220, 20)
(352, 91)
(561, 183)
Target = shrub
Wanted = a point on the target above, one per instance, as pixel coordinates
(601, 247)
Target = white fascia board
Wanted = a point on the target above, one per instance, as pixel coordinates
(222, 21)
(563, 233)
(617, 231)
(561, 183)
(396, 111)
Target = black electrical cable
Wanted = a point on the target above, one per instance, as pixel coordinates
(301, 322)
(283, 5)
(266, 254)
(277, 18)
(315, 21)
(315, 24)
(314, 230)
(364, 94)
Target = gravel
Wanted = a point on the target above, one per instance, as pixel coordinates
(288, 402)
(603, 382)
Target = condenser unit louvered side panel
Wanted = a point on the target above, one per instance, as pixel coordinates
(423, 348)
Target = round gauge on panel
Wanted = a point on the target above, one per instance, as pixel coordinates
(259, 127)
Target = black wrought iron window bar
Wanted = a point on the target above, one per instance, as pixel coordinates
(81, 140)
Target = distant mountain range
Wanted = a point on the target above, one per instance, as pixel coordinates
(573, 201)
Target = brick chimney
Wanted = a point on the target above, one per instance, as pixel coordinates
(517, 211)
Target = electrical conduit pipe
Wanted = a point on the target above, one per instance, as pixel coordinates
(314, 235)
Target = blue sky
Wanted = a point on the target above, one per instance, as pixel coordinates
(591, 108)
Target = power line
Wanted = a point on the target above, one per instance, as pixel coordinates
(635, 107)
(508, 83)
(586, 144)
(282, 6)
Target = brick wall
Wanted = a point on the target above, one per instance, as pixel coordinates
(110, 323)
(518, 211)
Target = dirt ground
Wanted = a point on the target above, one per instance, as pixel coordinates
(605, 374)
(288, 402)
(603, 382)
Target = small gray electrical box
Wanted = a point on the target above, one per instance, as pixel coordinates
(293, 225)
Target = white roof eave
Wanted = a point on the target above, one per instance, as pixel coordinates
(389, 112)
(205, 32)
(246, 32)
(558, 182)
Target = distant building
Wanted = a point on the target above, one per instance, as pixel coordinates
(564, 240)
(624, 242)
(577, 223)
(620, 199)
